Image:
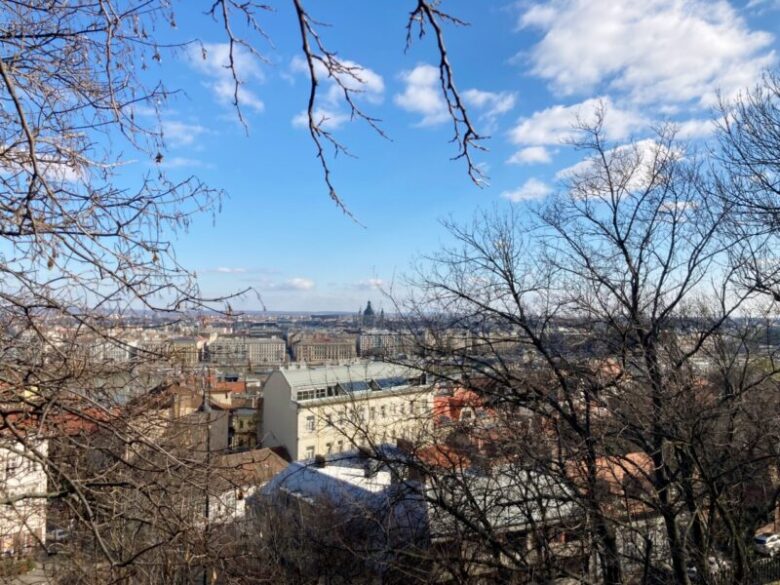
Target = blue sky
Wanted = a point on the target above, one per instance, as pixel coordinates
(526, 70)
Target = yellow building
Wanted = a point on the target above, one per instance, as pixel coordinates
(314, 348)
(320, 410)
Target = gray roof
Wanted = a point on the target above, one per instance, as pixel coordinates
(509, 498)
(322, 376)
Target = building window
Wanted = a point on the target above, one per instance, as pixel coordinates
(382, 411)
(329, 420)
(310, 424)
(329, 448)
(340, 446)
(11, 465)
(309, 452)
(372, 413)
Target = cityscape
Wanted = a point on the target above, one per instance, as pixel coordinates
(436, 292)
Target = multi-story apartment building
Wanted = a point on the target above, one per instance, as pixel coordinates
(317, 348)
(186, 350)
(266, 350)
(327, 409)
(227, 350)
(22, 483)
(449, 339)
(247, 351)
(383, 343)
(108, 350)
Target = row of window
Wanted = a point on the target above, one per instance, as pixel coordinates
(15, 465)
(414, 408)
(338, 446)
(348, 388)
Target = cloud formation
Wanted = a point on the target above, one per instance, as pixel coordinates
(228, 270)
(422, 95)
(650, 52)
(213, 60)
(491, 105)
(176, 133)
(556, 124)
(530, 155)
(370, 284)
(633, 166)
(182, 162)
(366, 84)
(531, 189)
(326, 118)
(297, 283)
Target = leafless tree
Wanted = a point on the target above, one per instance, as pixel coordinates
(749, 137)
(608, 338)
(83, 252)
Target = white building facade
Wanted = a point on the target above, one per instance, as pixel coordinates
(22, 485)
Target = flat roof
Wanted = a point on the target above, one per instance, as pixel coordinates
(330, 375)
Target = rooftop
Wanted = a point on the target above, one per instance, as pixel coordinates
(348, 375)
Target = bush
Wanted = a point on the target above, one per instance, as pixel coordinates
(15, 567)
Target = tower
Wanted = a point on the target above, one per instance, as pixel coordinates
(368, 315)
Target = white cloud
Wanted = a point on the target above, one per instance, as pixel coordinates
(492, 105)
(366, 84)
(530, 156)
(56, 167)
(300, 283)
(212, 60)
(422, 95)
(575, 170)
(556, 124)
(370, 284)
(181, 162)
(177, 133)
(633, 166)
(695, 128)
(678, 207)
(531, 189)
(291, 284)
(327, 119)
(228, 270)
(761, 6)
(651, 52)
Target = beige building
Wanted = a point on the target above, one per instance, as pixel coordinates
(186, 350)
(247, 351)
(385, 343)
(317, 348)
(320, 410)
(266, 350)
